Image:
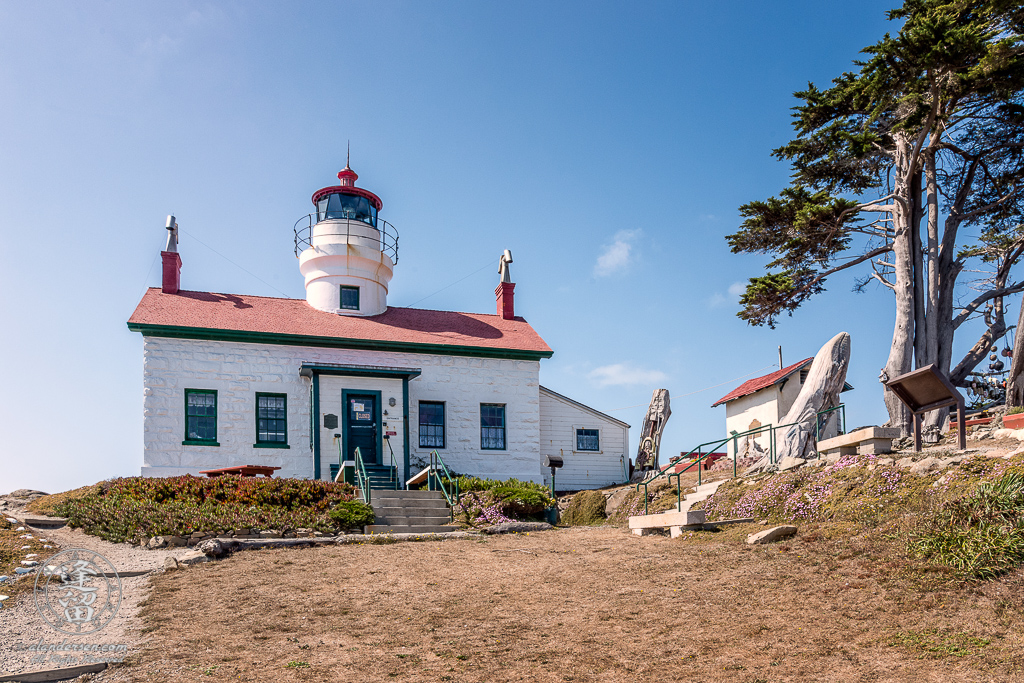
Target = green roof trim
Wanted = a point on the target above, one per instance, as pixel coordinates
(210, 334)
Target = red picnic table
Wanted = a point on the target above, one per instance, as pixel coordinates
(242, 470)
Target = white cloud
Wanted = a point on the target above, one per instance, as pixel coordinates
(618, 255)
(625, 374)
(735, 291)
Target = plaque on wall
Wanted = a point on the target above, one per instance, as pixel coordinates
(330, 421)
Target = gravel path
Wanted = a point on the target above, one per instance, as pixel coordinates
(21, 625)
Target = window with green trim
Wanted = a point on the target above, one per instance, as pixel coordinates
(431, 424)
(201, 416)
(349, 298)
(271, 419)
(492, 426)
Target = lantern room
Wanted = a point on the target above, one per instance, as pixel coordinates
(346, 252)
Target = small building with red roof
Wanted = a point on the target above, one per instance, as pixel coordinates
(765, 400)
(303, 384)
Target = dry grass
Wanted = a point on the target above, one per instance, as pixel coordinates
(46, 505)
(12, 552)
(578, 604)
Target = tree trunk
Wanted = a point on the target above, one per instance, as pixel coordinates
(1015, 380)
(902, 349)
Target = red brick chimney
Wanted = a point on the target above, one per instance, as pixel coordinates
(171, 259)
(172, 272)
(505, 294)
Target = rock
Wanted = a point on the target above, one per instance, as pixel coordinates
(615, 500)
(24, 570)
(157, 542)
(198, 535)
(924, 466)
(884, 462)
(771, 535)
(270, 533)
(176, 541)
(4, 578)
(211, 546)
(12, 520)
(170, 564)
(4, 597)
(517, 527)
(832, 458)
(905, 462)
(30, 563)
(790, 463)
(288, 534)
(31, 556)
(192, 557)
(30, 494)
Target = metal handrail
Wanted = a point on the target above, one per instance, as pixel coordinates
(819, 425)
(362, 478)
(394, 465)
(387, 242)
(434, 476)
(701, 455)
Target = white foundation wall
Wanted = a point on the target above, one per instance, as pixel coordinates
(559, 420)
(238, 370)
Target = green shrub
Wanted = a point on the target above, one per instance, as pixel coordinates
(1016, 410)
(133, 508)
(350, 514)
(981, 535)
(586, 508)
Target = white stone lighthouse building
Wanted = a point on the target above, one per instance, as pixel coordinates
(299, 384)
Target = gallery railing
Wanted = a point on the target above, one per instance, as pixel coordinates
(355, 232)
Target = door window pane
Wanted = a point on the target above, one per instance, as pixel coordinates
(492, 426)
(431, 424)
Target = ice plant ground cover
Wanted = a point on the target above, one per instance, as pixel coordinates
(491, 501)
(969, 518)
(133, 508)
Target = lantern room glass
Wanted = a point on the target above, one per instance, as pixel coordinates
(340, 206)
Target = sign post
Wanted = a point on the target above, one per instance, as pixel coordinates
(925, 390)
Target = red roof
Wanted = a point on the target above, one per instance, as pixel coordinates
(758, 383)
(282, 318)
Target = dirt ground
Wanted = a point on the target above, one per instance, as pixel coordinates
(581, 604)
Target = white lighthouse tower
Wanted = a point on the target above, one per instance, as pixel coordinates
(347, 253)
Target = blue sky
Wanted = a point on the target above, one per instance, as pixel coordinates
(608, 145)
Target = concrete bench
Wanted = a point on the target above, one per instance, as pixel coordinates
(870, 440)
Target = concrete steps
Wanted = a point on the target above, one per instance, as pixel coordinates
(409, 512)
(702, 493)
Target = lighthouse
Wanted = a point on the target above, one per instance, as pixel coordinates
(347, 253)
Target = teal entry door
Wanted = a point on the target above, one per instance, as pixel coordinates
(362, 427)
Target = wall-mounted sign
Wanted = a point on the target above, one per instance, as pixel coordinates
(330, 421)
(392, 433)
(363, 416)
(358, 407)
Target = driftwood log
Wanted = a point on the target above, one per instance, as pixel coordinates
(825, 379)
(650, 434)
